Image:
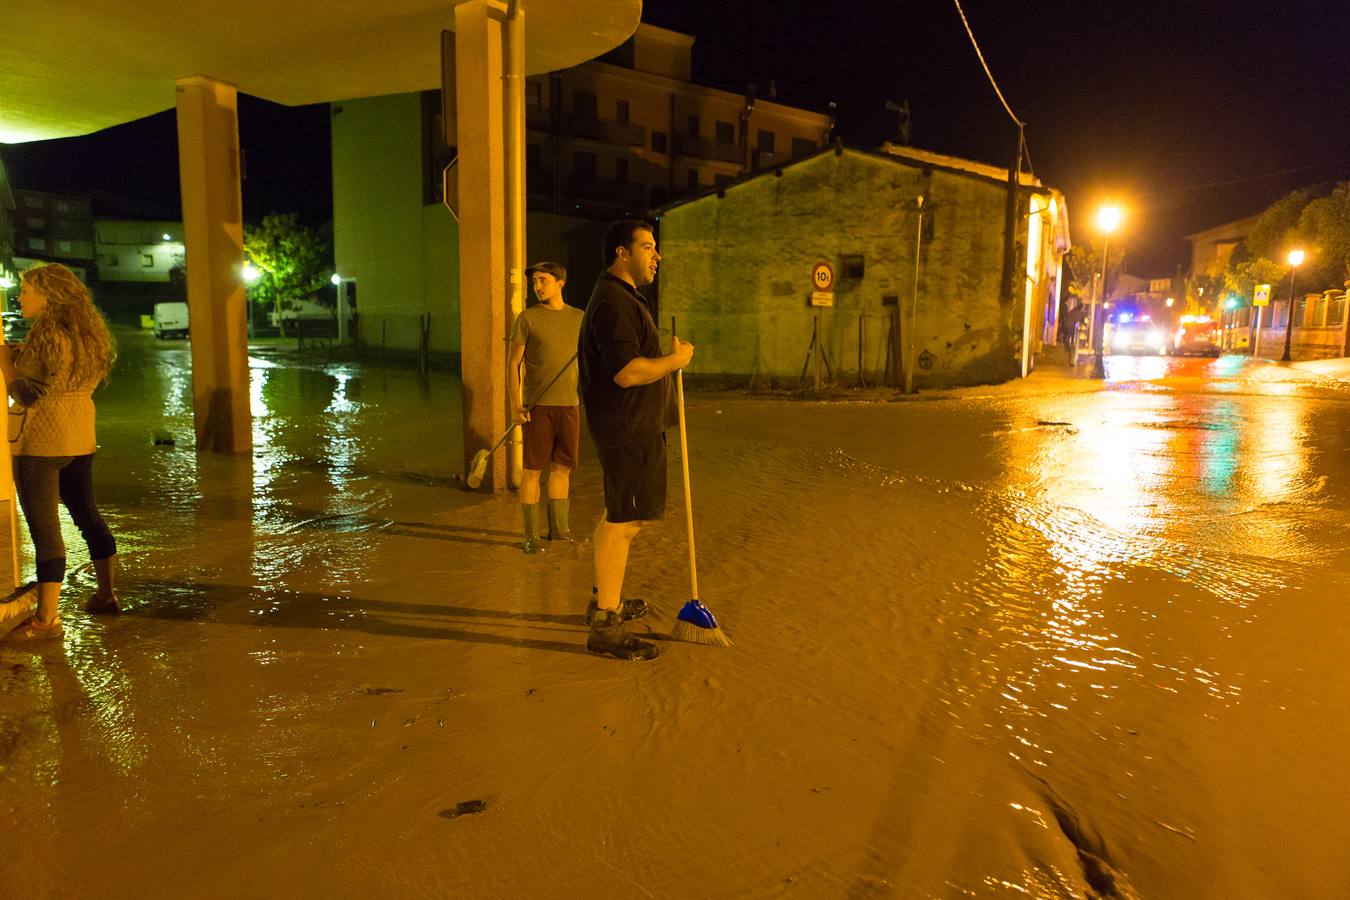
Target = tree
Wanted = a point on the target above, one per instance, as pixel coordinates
(1085, 267)
(296, 261)
(1324, 230)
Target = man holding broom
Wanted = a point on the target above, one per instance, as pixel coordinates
(626, 387)
(544, 338)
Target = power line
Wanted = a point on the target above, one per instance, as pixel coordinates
(1213, 184)
(1016, 121)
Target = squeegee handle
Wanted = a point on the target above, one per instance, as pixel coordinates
(552, 381)
(688, 497)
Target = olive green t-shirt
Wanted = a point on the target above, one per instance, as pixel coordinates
(550, 339)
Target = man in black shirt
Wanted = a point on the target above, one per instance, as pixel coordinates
(625, 386)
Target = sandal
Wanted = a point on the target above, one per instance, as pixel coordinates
(100, 605)
(34, 629)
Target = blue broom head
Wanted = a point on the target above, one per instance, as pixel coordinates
(695, 613)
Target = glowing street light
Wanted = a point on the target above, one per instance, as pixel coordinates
(251, 273)
(336, 279)
(167, 236)
(1108, 220)
(1170, 301)
(6, 282)
(1295, 260)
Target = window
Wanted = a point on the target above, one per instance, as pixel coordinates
(802, 147)
(621, 171)
(147, 261)
(691, 179)
(726, 133)
(32, 201)
(534, 94)
(851, 266)
(583, 164)
(692, 128)
(37, 243)
(659, 196)
(110, 260)
(62, 206)
(35, 222)
(621, 112)
(765, 144)
(64, 247)
(721, 180)
(583, 103)
(659, 144)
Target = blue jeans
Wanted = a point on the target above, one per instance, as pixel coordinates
(40, 482)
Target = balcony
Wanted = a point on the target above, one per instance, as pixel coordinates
(538, 119)
(611, 193)
(610, 132)
(688, 146)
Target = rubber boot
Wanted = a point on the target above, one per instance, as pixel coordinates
(610, 637)
(532, 542)
(558, 529)
(628, 609)
(104, 601)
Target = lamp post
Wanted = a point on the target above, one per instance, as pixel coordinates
(1108, 219)
(1295, 260)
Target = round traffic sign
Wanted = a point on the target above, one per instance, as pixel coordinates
(822, 276)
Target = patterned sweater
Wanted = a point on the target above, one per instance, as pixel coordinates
(48, 414)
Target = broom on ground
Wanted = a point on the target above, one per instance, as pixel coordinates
(478, 468)
(695, 623)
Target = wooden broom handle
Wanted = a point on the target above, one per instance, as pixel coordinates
(688, 498)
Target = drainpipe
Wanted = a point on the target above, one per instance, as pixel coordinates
(514, 75)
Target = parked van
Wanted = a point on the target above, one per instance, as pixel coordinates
(306, 310)
(171, 320)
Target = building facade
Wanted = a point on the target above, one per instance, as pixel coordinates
(131, 250)
(740, 268)
(51, 227)
(612, 137)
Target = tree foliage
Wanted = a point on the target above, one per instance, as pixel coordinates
(1085, 267)
(296, 261)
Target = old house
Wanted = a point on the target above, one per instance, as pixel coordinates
(827, 245)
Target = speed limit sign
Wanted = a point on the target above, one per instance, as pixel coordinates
(822, 276)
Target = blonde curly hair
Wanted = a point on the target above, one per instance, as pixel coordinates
(69, 317)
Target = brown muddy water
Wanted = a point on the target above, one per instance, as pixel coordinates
(1051, 639)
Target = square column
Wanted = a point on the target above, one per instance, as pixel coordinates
(213, 229)
(480, 34)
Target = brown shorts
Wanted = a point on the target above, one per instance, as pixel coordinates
(553, 435)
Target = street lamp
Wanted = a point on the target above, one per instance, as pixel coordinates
(1108, 219)
(1295, 260)
(250, 273)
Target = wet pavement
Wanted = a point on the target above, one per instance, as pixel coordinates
(1051, 638)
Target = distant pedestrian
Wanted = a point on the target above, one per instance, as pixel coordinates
(51, 379)
(544, 341)
(626, 389)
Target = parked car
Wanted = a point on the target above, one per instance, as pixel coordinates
(302, 310)
(16, 326)
(171, 320)
(1138, 337)
(1197, 335)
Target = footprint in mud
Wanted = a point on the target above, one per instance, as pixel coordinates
(467, 808)
(382, 691)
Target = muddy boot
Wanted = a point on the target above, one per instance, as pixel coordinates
(558, 529)
(628, 609)
(610, 637)
(532, 542)
(104, 601)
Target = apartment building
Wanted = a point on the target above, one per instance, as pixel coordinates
(50, 227)
(615, 136)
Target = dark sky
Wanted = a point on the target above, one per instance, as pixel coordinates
(1151, 103)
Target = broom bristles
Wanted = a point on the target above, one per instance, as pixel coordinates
(696, 634)
(478, 469)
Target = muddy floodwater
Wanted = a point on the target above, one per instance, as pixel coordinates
(1058, 638)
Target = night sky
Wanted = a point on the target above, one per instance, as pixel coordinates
(1156, 105)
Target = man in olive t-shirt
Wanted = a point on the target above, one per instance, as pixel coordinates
(544, 339)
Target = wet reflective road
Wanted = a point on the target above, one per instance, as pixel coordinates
(1051, 638)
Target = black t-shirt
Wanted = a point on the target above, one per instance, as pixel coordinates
(617, 328)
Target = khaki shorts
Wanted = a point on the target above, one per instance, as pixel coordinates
(553, 435)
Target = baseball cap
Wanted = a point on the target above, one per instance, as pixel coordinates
(551, 268)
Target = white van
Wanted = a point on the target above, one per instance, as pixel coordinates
(171, 320)
(306, 310)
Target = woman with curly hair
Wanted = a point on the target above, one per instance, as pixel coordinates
(51, 380)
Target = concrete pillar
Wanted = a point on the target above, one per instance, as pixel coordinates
(480, 32)
(208, 165)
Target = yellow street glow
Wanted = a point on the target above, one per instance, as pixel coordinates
(1108, 218)
(1295, 257)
